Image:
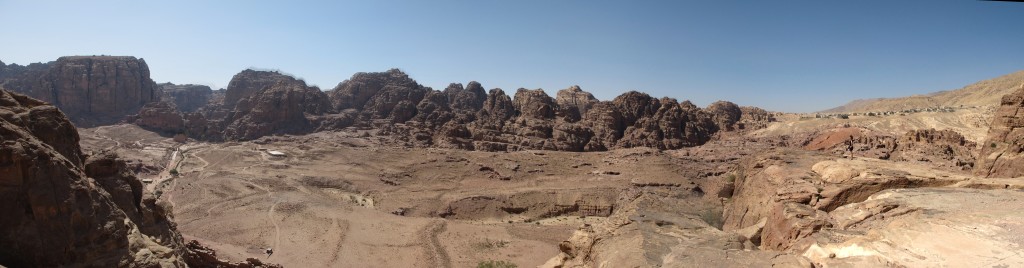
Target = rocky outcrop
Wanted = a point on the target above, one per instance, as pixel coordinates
(187, 98)
(471, 98)
(754, 118)
(15, 72)
(574, 121)
(361, 92)
(92, 91)
(259, 103)
(63, 208)
(725, 114)
(925, 227)
(56, 214)
(280, 108)
(249, 82)
(944, 148)
(160, 116)
(795, 191)
(1001, 153)
(574, 102)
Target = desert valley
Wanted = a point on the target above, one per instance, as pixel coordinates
(101, 166)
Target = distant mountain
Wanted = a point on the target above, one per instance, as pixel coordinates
(984, 93)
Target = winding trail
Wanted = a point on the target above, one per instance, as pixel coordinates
(270, 213)
(435, 251)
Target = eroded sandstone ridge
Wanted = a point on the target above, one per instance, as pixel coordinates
(1001, 154)
(91, 90)
(62, 207)
(261, 103)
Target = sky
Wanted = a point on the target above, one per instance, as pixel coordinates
(790, 56)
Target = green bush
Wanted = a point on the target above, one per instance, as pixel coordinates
(496, 264)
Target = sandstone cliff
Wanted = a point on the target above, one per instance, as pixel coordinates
(1001, 154)
(92, 91)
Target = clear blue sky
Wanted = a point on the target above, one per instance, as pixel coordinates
(781, 55)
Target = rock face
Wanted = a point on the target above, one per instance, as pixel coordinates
(725, 114)
(249, 82)
(56, 213)
(389, 95)
(160, 116)
(91, 90)
(1001, 154)
(925, 227)
(794, 190)
(256, 104)
(63, 208)
(280, 108)
(187, 98)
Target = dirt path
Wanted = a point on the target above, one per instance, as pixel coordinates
(270, 214)
(436, 253)
(342, 228)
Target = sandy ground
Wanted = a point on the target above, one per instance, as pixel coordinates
(338, 200)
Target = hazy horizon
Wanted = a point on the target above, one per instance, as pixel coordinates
(785, 57)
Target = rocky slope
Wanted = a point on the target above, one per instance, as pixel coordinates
(64, 208)
(94, 90)
(1001, 153)
(984, 93)
(61, 208)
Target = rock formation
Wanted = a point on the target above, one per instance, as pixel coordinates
(260, 103)
(93, 90)
(944, 148)
(279, 108)
(793, 191)
(64, 208)
(161, 116)
(1001, 154)
(249, 82)
(187, 98)
(60, 211)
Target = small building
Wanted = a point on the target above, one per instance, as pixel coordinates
(147, 180)
(276, 153)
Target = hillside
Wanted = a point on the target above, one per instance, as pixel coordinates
(984, 93)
